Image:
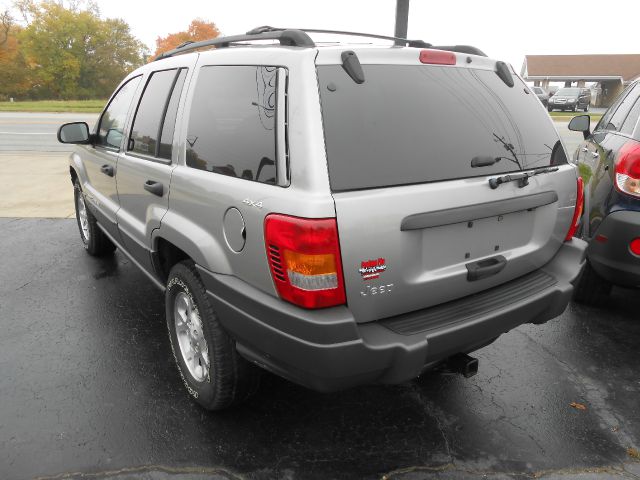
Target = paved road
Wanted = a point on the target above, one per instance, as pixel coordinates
(88, 385)
(36, 131)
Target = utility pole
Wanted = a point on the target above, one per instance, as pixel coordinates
(402, 19)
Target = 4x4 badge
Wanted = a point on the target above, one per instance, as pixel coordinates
(251, 203)
(371, 269)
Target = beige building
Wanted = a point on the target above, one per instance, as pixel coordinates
(611, 72)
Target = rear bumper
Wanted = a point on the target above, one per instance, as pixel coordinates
(327, 350)
(612, 259)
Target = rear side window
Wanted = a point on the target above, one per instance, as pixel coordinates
(112, 122)
(413, 124)
(232, 122)
(155, 116)
(630, 122)
(614, 118)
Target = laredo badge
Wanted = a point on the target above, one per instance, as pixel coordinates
(371, 269)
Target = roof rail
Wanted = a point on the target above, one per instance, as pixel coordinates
(400, 41)
(298, 37)
(287, 37)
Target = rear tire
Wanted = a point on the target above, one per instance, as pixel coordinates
(550, 109)
(95, 242)
(215, 375)
(591, 288)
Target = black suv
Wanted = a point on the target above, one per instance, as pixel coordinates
(609, 164)
(570, 98)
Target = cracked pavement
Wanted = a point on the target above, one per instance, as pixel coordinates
(88, 389)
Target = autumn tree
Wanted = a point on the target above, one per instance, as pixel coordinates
(198, 30)
(72, 53)
(14, 79)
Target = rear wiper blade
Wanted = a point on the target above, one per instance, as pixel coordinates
(522, 177)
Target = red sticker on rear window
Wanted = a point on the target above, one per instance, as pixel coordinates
(371, 269)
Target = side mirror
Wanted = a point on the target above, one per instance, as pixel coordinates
(76, 132)
(581, 123)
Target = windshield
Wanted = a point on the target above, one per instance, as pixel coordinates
(568, 92)
(422, 123)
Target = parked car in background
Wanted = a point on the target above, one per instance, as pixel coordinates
(570, 98)
(290, 232)
(609, 164)
(542, 95)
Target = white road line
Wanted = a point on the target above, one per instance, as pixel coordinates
(26, 133)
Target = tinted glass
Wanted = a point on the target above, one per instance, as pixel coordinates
(232, 122)
(630, 122)
(610, 111)
(111, 129)
(615, 120)
(146, 125)
(412, 124)
(166, 138)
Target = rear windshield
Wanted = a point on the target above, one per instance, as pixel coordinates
(422, 123)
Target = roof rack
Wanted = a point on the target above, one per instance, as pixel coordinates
(398, 40)
(298, 37)
(287, 37)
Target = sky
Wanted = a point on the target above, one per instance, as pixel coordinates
(505, 30)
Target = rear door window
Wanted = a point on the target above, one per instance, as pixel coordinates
(155, 116)
(232, 124)
(629, 124)
(422, 123)
(614, 118)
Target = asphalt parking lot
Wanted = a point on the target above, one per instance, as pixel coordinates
(88, 389)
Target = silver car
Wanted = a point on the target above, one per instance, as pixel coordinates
(338, 215)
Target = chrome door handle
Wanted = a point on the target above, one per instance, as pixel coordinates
(595, 154)
(584, 149)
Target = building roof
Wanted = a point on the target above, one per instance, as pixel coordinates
(625, 67)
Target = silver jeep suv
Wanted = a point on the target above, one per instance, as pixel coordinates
(338, 215)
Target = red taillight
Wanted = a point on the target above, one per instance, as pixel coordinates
(628, 169)
(304, 256)
(438, 57)
(577, 213)
(634, 246)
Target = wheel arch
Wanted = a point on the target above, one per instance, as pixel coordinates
(76, 169)
(171, 245)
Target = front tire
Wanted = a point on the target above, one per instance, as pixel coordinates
(591, 288)
(215, 375)
(95, 242)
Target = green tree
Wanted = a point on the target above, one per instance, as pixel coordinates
(73, 53)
